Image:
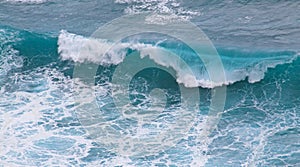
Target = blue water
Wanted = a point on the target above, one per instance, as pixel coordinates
(258, 43)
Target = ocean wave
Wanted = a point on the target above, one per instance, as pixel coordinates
(80, 49)
(42, 104)
(246, 66)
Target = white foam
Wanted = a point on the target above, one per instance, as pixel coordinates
(81, 49)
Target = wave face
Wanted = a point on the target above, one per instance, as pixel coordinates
(39, 124)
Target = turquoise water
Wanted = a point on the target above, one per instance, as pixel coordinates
(258, 43)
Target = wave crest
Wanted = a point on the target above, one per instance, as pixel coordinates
(237, 66)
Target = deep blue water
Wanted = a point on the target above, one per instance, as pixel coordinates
(258, 43)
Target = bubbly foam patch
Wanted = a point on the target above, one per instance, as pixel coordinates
(34, 109)
(39, 126)
(9, 57)
(171, 9)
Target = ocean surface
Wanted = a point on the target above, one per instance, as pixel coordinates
(258, 42)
